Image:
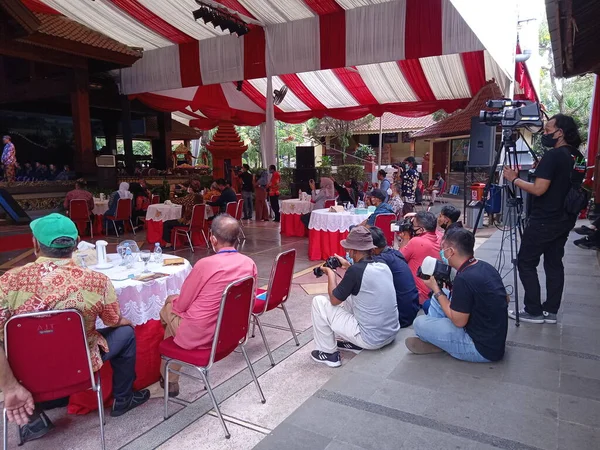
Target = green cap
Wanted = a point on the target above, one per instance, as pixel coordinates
(51, 227)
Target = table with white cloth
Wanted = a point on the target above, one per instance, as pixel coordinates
(140, 302)
(156, 215)
(100, 207)
(326, 230)
(291, 210)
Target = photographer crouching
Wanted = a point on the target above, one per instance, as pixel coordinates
(361, 309)
(472, 323)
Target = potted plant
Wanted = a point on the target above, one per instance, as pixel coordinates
(366, 152)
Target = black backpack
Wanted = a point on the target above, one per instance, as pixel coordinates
(578, 197)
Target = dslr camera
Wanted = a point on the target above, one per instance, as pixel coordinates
(432, 267)
(332, 263)
(403, 225)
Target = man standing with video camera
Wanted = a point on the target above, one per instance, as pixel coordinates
(361, 309)
(549, 223)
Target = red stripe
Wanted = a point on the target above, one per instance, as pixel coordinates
(356, 86)
(152, 21)
(189, 64)
(322, 7)
(414, 75)
(332, 34)
(254, 54)
(235, 5)
(39, 7)
(423, 32)
(296, 85)
(474, 64)
(256, 96)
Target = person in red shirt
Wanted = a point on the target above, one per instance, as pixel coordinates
(79, 193)
(425, 242)
(191, 317)
(273, 188)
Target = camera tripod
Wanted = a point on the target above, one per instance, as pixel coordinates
(513, 217)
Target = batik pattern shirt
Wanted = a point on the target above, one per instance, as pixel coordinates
(55, 284)
(410, 179)
(9, 154)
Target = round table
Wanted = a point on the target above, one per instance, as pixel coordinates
(140, 302)
(156, 215)
(326, 230)
(291, 210)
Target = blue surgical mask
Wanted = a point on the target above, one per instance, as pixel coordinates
(349, 258)
(444, 259)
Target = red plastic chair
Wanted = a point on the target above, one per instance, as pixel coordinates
(231, 332)
(123, 213)
(329, 203)
(384, 221)
(215, 209)
(155, 199)
(79, 212)
(239, 196)
(231, 209)
(197, 224)
(49, 355)
(277, 294)
(238, 216)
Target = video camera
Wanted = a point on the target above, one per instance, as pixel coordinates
(332, 262)
(432, 267)
(402, 226)
(512, 114)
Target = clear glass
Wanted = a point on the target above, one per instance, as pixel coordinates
(121, 249)
(82, 261)
(145, 255)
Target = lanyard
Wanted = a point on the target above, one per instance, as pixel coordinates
(227, 251)
(466, 264)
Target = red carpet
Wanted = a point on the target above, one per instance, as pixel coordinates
(15, 242)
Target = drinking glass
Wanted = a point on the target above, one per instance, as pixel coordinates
(145, 256)
(121, 249)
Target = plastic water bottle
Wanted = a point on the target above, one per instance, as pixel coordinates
(349, 259)
(158, 256)
(128, 258)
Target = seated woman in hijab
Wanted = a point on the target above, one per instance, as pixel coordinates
(113, 201)
(327, 192)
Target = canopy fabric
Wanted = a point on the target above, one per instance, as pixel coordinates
(299, 36)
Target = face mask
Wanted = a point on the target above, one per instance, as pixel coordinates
(444, 226)
(548, 140)
(349, 258)
(444, 259)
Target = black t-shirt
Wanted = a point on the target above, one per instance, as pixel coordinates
(247, 182)
(556, 165)
(478, 290)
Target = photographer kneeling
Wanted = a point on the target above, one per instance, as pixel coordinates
(361, 309)
(473, 326)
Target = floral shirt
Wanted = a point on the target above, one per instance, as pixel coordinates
(409, 185)
(397, 204)
(9, 154)
(54, 284)
(188, 203)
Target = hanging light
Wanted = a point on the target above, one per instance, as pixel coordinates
(220, 19)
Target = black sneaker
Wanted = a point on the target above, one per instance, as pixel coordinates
(138, 398)
(37, 428)
(331, 359)
(349, 346)
(584, 231)
(586, 243)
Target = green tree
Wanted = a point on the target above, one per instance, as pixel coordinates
(340, 130)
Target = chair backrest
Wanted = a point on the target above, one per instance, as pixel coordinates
(48, 353)
(329, 203)
(234, 318)
(384, 221)
(198, 218)
(239, 209)
(123, 209)
(231, 208)
(443, 188)
(78, 210)
(239, 196)
(155, 199)
(280, 281)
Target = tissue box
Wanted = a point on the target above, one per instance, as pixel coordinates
(364, 211)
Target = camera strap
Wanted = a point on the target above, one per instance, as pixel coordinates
(466, 264)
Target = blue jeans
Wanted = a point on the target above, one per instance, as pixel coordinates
(437, 329)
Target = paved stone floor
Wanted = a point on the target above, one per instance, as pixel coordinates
(545, 394)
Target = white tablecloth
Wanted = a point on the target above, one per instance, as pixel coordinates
(139, 301)
(161, 212)
(295, 206)
(100, 206)
(323, 220)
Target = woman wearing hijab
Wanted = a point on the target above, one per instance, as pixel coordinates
(327, 192)
(113, 201)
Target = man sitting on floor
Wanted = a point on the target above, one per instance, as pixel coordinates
(227, 195)
(472, 324)
(369, 316)
(192, 315)
(54, 282)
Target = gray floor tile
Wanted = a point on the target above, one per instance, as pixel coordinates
(572, 436)
(580, 386)
(290, 437)
(579, 410)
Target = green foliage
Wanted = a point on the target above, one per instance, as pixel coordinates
(340, 130)
(326, 161)
(164, 192)
(287, 177)
(363, 151)
(350, 171)
(323, 172)
(140, 148)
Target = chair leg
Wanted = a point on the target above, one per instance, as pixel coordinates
(101, 415)
(91, 229)
(215, 404)
(242, 230)
(253, 374)
(132, 227)
(115, 226)
(205, 239)
(287, 316)
(190, 241)
(166, 393)
(264, 338)
(253, 325)
(5, 429)
(175, 240)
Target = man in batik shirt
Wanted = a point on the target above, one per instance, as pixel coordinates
(55, 282)
(9, 160)
(410, 178)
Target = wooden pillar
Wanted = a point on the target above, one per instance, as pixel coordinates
(84, 161)
(161, 147)
(127, 134)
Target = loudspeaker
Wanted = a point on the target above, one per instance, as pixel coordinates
(13, 209)
(305, 175)
(482, 144)
(305, 157)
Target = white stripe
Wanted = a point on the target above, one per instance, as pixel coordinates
(446, 77)
(186, 93)
(239, 100)
(181, 118)
(375, 33)
(328, 89)
(493, 70)
(222, 59)
(158, 70)
(179, 14)
(294, 47)
(290, 103)
(457, 36)
(277, 11)
(351, 4)
(105, 17)
(387, 83)
(199, 113)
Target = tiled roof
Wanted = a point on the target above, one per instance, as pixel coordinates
(392, 123)
(459, 122)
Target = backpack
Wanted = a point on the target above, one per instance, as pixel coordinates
(578, 197)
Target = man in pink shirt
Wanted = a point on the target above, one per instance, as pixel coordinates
(79, 193)
(424, 243)
(191, 317)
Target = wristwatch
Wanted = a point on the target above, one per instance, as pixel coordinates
(438, 294)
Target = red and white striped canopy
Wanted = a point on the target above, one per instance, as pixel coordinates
(342, 58)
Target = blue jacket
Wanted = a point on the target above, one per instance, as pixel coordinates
(383, 208)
